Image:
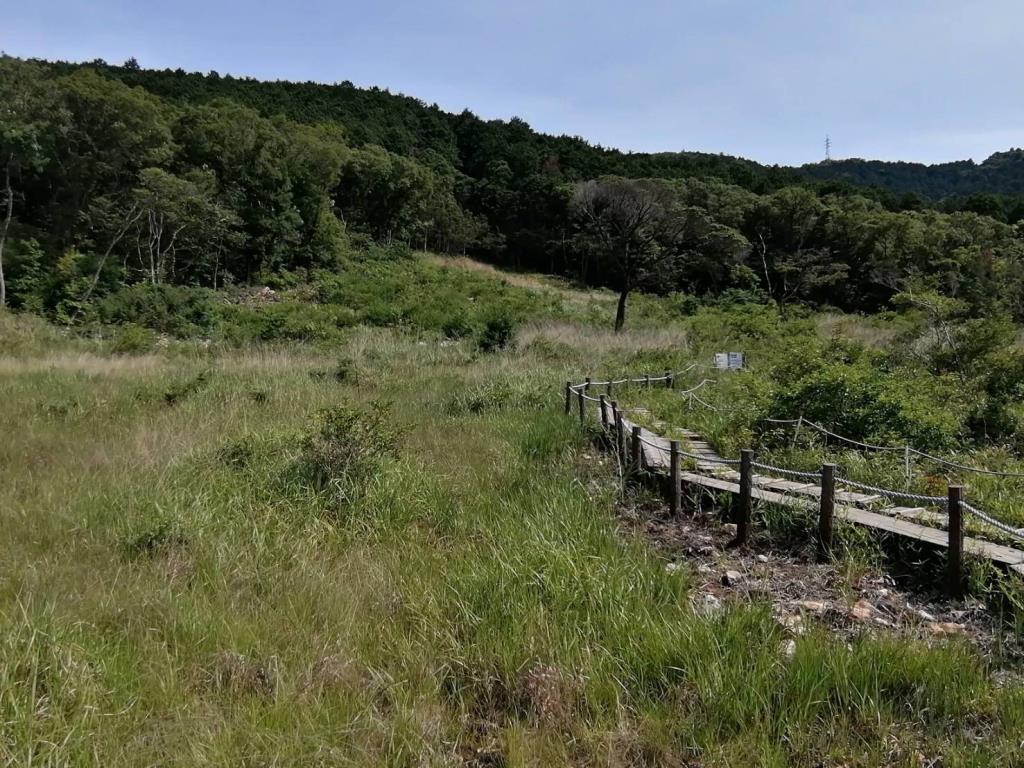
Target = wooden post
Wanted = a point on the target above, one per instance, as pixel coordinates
(647, 380)
(568, 397)
(604, 411)
(615, 427)
(583, 406)
(620, 436)
(608, 389)
(586, 384)
(635, 449)
(955, 564)
(668, 379)
(826, 511)
(743, 508)
(674, 492)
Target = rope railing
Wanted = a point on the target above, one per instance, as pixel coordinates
(688, 455)
(964, 467)
(639, 379)
(691, 390)
(936, 501)
(785, 471)
(999, 525)
(905, 449)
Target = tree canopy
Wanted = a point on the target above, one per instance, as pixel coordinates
(117, 175)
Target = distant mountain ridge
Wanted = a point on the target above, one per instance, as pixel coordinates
(1002, 173)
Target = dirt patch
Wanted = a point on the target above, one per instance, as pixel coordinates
(802, 591)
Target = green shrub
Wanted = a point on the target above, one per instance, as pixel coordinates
(173, 309)
(132, 339)
(346, 444)
(864, 403)
(286, 320)
(498, 395)
(497, 332)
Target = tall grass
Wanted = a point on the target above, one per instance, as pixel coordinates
(176, 589)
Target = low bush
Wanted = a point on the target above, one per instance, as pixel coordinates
(347, 444)
(284, 321)
(173, 309)
(497, 333)
(131, 339)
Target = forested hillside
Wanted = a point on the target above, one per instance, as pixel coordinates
(993, 187)
(116, 176)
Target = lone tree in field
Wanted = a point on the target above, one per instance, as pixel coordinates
(633, 228)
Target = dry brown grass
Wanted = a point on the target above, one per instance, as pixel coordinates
(604, 341)
(86, 363)
(860, 329)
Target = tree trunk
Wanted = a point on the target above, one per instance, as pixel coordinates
(620, 312)
(8, 213)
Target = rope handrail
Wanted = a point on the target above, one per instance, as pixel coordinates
(786, 471)
(936, 501)
(850, 440)
(638, 380)
(939, 501)
(691, 390)
(999, 525)
(964, 467)
(688, 455)
(906, 448)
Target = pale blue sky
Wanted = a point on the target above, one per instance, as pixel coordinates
(901, 79)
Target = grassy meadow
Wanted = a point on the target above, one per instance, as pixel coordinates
(379, 544)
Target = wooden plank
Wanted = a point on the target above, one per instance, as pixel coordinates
(788, 486)
(902, 521)
(854, 497)
(931, 516)
(878, 521)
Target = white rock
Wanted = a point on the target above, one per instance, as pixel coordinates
(708, 605)
(813, 606)
(789, 648)
(762, 558)
(862, 610)
(945, 628)
(794, 623)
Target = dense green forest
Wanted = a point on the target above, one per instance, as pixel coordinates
(116, 177)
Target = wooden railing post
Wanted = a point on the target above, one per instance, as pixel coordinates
(647, 380)
(586, 384)
(608, 389)
(674, 479)
(826, 510)
(615, 427)
(743, 509)
(568, 397)
(620, 436)
(635, 450)
(955, 564)
(583, 406)
(668, 379)
(604, 411)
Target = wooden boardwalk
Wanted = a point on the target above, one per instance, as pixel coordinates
(865, 509)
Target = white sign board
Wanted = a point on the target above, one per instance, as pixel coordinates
(729, 360)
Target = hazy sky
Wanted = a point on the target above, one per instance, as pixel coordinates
(917, 80)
